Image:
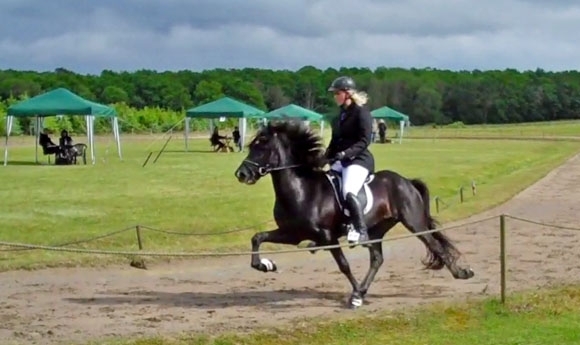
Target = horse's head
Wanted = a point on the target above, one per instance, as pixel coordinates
(281, 145)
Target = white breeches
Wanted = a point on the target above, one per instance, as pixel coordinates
(353, 177)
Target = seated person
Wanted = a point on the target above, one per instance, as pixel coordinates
(236, 136)
(66, 142)
(215, 140)
(46, 143)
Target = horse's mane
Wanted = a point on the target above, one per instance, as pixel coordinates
(306, 147)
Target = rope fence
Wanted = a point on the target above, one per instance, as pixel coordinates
(502, 244)
(139, 229)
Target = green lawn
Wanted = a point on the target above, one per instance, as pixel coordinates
(532, 318)
(548, 129)
(197, 192)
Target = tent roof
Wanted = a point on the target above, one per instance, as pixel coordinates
(226, 107)
(294, 111)
(389, 113)
(59, 102)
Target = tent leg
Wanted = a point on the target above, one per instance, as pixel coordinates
(243, 124)
(92, 140)
(38, 125)
(88, 125)
(117, 136)
(186, 133)
(9, 121)
(401, 130)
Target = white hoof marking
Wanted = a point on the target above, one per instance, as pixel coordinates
(268, 264)
(356, 301)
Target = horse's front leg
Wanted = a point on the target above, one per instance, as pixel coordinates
(273, 236)
(356, 298)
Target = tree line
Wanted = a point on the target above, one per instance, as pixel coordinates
(155, 101)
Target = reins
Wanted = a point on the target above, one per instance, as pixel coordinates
(266, 169)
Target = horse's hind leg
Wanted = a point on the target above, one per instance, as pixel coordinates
(274, 236)
(376, 252)
(441, 252)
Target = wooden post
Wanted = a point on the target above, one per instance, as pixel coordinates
(139, 241)
(502, 257)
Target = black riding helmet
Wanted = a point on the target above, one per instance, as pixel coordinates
(342, 83)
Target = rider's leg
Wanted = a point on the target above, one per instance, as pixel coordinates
(354, 177)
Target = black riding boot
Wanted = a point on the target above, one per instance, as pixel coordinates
(357, 217)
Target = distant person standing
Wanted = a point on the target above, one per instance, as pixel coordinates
(382, 131)
(237, 138)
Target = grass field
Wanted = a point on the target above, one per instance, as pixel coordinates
(196, 192)
(549, 129)
(531, 318)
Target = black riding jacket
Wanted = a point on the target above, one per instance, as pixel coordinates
(351, 133)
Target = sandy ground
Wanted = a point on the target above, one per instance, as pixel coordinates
(224, 294)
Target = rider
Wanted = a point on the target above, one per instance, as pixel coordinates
(348, 149)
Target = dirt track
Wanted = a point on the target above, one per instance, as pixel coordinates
(48, 306)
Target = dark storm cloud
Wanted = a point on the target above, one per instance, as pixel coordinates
(89, 36)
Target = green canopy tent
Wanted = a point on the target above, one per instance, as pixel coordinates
(222, 108)
(387, 113)
(297, 112)
(61, 102)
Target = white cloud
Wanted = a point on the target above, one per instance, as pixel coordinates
(205, 34)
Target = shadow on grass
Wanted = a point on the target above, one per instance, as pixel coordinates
(24, 163)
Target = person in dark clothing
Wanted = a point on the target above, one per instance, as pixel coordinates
(66, 145)
(215, 140)
(46, 143)
(236, 136)
(348, 149)
(65, 141)
(382, 131)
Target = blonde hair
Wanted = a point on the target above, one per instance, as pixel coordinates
(359, 97)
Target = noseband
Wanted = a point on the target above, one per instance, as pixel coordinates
(266, 169)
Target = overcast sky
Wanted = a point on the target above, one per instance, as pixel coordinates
(89, 36)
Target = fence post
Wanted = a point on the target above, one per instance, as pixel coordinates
(461, 194)
(473, 188)
(137, 261)
(502, 256)
(139, 242)
(437, 203)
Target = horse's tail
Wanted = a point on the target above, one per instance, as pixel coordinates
(434, 261)
(424, 191)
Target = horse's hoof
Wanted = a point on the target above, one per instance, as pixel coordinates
(355, 302)
(267, 265)
(465, 273)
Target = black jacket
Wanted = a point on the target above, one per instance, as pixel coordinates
(351, 133)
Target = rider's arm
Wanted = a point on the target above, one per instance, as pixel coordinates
(365, 131)
(330, 150)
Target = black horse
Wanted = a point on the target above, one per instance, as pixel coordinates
(308, 207)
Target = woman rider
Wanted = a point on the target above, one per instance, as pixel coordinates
(348, 149)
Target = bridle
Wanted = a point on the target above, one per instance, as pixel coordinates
(266, 169)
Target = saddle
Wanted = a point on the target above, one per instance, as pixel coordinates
(364, 195)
